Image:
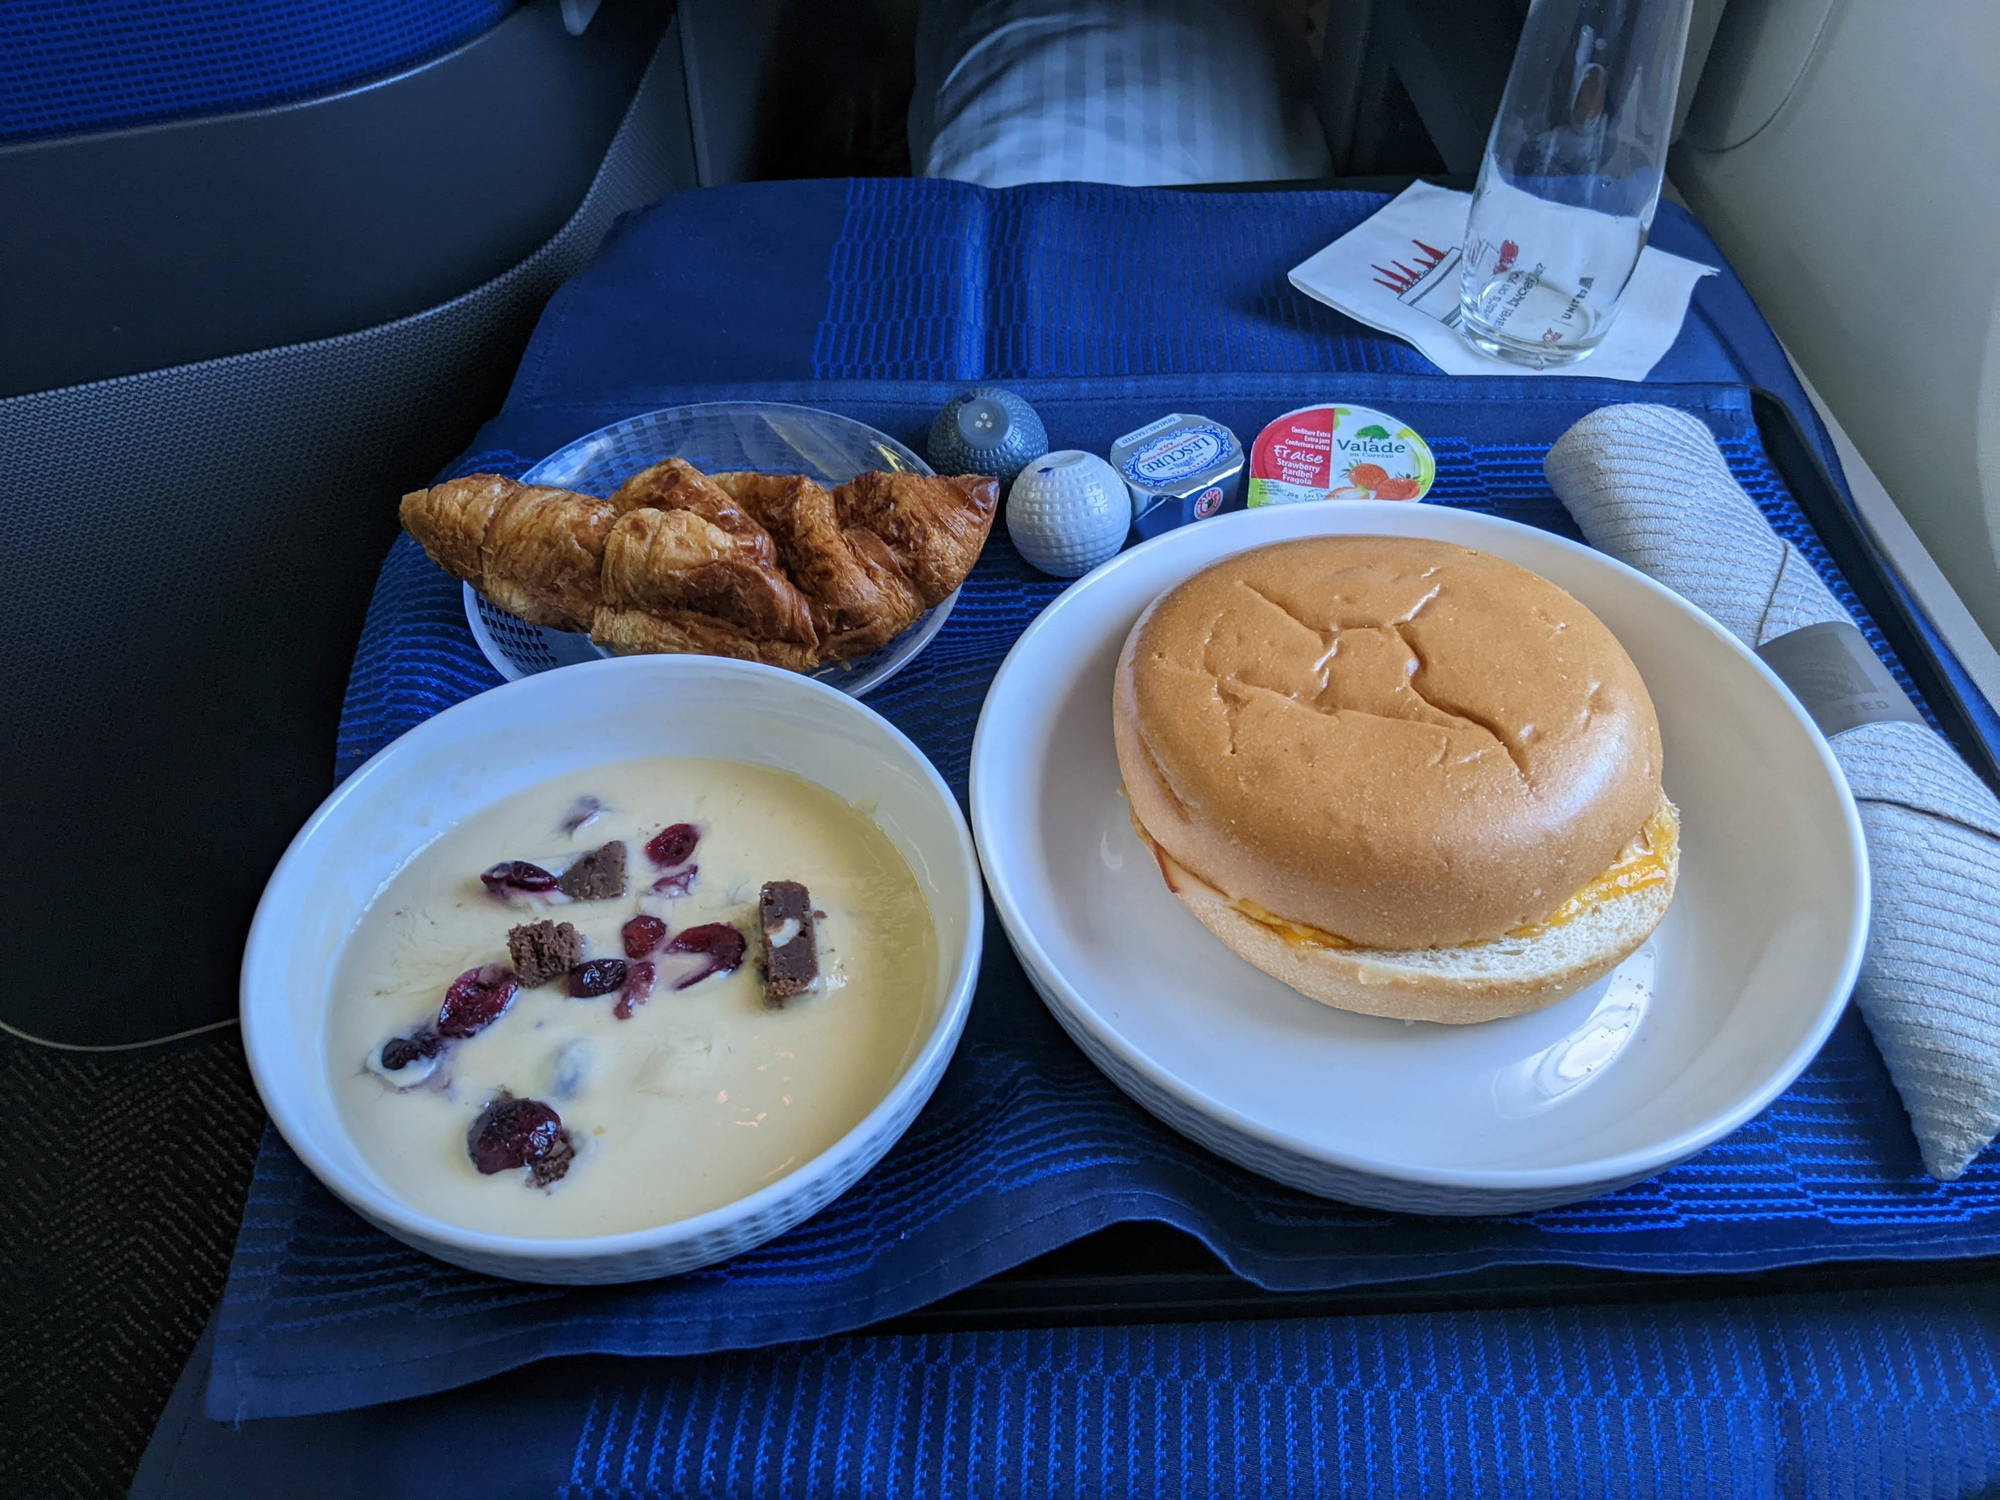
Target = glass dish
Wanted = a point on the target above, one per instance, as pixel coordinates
(714, 436)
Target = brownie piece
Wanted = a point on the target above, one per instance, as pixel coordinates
(785, 917)
(598, 876)
(553, 1164)
(543, 950)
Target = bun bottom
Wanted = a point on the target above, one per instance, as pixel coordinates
(1456, 986)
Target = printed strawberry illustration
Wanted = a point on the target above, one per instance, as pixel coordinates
(1398, 489)
(1368, 476)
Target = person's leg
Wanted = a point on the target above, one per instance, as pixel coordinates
(1136, 92)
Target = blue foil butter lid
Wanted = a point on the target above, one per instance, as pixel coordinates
(1178, 469)
(1181, 451)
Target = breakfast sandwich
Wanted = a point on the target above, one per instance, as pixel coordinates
(1405, 777)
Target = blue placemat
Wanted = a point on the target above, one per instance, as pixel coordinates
(1025, 1146)
(1832, 1397)
(1107, 307)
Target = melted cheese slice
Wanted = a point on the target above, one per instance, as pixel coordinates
(1646, 861)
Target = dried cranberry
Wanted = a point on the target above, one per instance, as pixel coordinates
(476, 999)
(673, 845)
(516, 877)
(400, 1051)
(720, 943)
(642, 935)
(638, 990)
(596, 976)
(513, 1132)
(678, 884)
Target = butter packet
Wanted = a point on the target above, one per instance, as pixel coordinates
(1339, 453)
(1179, 469)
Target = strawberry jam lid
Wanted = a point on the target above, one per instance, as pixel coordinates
(1339, 453)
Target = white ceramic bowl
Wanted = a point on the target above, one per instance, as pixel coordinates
(543, 726)
(1696, 1033)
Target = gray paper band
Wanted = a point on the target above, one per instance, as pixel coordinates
(1837, 677)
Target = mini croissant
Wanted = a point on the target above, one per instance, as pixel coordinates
(768, 567)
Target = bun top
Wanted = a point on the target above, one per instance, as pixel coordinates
(1404, 743)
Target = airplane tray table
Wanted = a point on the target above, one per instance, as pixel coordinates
(1136, 1271)
(323, 1314)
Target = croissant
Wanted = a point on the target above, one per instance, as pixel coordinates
(678, 570)
(858, 604)
(933, 527)
(769, 567)
(536, 552)
(679, 485)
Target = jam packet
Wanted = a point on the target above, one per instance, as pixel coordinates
(1339, 453)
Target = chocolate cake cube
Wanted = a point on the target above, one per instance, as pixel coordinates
(786, 918)
(553, 1165)
(543, 950)
(598, 876)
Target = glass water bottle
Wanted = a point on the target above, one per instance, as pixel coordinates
(1571, 176)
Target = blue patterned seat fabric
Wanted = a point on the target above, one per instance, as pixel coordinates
(68, 66)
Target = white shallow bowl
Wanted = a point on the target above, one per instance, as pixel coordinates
(515, 737)
(1696, 1033)
(770, 437)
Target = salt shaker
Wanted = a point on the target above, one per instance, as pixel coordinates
(1068, 512)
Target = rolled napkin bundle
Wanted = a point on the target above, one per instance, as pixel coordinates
(1649, 486)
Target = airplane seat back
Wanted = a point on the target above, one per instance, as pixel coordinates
(232, 339)
(66, 69)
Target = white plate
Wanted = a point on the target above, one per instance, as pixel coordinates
(1695, 1034)
(771, 437)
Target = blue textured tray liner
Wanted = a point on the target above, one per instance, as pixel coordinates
(1025, 1146)
(1831, 1397)
(939, 280)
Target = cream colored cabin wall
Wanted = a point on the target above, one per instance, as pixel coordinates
(1846, 155)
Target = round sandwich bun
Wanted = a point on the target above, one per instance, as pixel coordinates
(1406, 778)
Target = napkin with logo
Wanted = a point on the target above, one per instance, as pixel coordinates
(1647, 484)
(1398, 270)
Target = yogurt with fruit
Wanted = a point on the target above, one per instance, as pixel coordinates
(628, 996)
